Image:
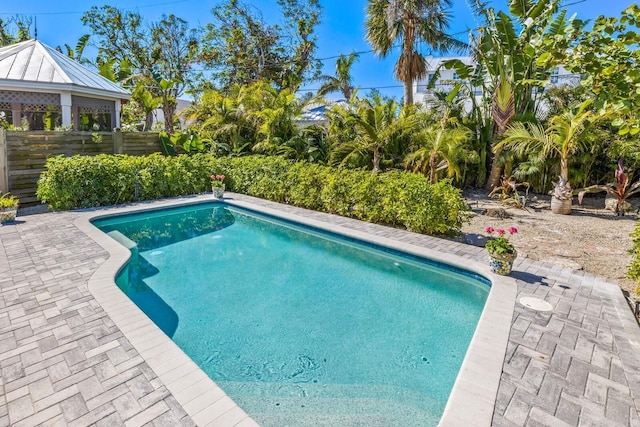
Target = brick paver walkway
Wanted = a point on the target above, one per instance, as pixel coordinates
(63, 362)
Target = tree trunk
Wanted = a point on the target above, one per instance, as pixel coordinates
(408, 92)
(433, 174)
(148, 121)
(376, 160)
(169, 109)
(564, 169)
(496, 171)
(407, 53)
(495, 174)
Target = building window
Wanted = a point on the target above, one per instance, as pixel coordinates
(554, 75)
(455, 76)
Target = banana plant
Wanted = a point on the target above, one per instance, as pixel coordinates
(508, 49)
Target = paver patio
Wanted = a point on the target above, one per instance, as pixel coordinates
(64, 362)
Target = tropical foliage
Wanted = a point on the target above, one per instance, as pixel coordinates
(14, 30)
(243, 49)
(342, 81)
(155, 57)
(561, 139)
(376, 125)
(621, 189)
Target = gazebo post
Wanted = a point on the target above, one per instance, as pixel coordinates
(65, 104)
(16, 112)
(115, 121)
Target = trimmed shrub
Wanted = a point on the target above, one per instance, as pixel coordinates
(393, 198)
(634, 267)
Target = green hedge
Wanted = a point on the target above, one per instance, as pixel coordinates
(394, 198)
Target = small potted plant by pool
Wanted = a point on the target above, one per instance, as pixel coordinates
(217, 185)
(8, 207)
(501, 251)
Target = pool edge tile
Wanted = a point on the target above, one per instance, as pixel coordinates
(102, 285)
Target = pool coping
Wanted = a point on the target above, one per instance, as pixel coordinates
(472, 399)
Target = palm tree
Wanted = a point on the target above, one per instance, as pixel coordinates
(409, 22)
(563, 138)
(441, 145)
(439, 148)
(375, 123)
(342, 80)
(272, 112)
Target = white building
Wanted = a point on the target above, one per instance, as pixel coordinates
(40, 89)
(449, 78)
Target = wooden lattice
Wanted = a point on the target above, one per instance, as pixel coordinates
(43, 108)
(96, 109)
(35, 98)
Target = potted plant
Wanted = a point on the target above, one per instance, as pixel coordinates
(8, 207)
(501, 251)
(217, 185)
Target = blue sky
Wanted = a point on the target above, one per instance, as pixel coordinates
(341, 30)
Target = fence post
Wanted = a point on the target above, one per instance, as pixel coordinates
(4, 162)
(118, 142)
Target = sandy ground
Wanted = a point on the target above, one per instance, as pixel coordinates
(591, 238)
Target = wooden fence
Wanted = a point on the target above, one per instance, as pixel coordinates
(23, 154)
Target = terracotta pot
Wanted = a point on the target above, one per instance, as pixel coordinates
(502, 263)
(561, 206)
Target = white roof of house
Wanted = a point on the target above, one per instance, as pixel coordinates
(316, 113)
(32, 65)
(434, 62)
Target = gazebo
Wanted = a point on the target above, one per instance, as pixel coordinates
(41, 89)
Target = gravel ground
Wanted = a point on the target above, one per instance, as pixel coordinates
(591, 238)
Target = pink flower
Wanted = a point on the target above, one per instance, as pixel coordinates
(213, 177)
(489, 230)
(512, 230)
(500, 231)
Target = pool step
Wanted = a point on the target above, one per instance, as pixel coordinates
(335, 412)
(333, 405)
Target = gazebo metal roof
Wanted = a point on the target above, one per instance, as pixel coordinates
(33, 65)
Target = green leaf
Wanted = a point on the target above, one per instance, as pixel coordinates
(542, 60)
(617, 122)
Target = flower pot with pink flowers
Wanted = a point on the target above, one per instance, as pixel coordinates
(502, 252)
(217, 185)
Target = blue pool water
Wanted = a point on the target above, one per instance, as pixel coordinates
(297, 326)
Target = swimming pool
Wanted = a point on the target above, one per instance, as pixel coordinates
(385, 360)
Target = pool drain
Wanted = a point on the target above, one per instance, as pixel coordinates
(536, 304)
